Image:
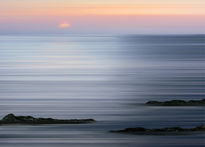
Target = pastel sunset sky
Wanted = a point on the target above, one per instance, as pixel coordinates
(98, 16)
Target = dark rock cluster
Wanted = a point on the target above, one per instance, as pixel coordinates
(177, 103)
(169, 130)
(12, 119)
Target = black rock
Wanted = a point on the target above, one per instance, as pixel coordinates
(177, 103)
(12, 119)
(200, 128)
(159, 131)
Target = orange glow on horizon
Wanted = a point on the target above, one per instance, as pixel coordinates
(64, 25)
(101, 16)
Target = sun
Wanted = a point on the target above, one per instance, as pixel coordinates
(64, 25)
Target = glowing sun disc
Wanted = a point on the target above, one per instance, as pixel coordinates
(64, 25)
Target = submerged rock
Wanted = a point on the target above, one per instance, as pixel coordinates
(177, 103)
(12, 119)
(158, 131)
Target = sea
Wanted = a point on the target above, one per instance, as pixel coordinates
(107, 78)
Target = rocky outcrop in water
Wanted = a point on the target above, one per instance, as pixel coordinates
(177, 103)
(160, 131)
(12, 119)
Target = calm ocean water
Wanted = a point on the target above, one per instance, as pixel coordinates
(104, 78)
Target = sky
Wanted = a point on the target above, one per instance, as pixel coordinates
(102, 16)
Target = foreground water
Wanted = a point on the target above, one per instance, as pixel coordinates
(105, 78)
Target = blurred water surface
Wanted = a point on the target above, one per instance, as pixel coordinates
(105, 78)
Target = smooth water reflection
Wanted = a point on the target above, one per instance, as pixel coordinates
(105, 78)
